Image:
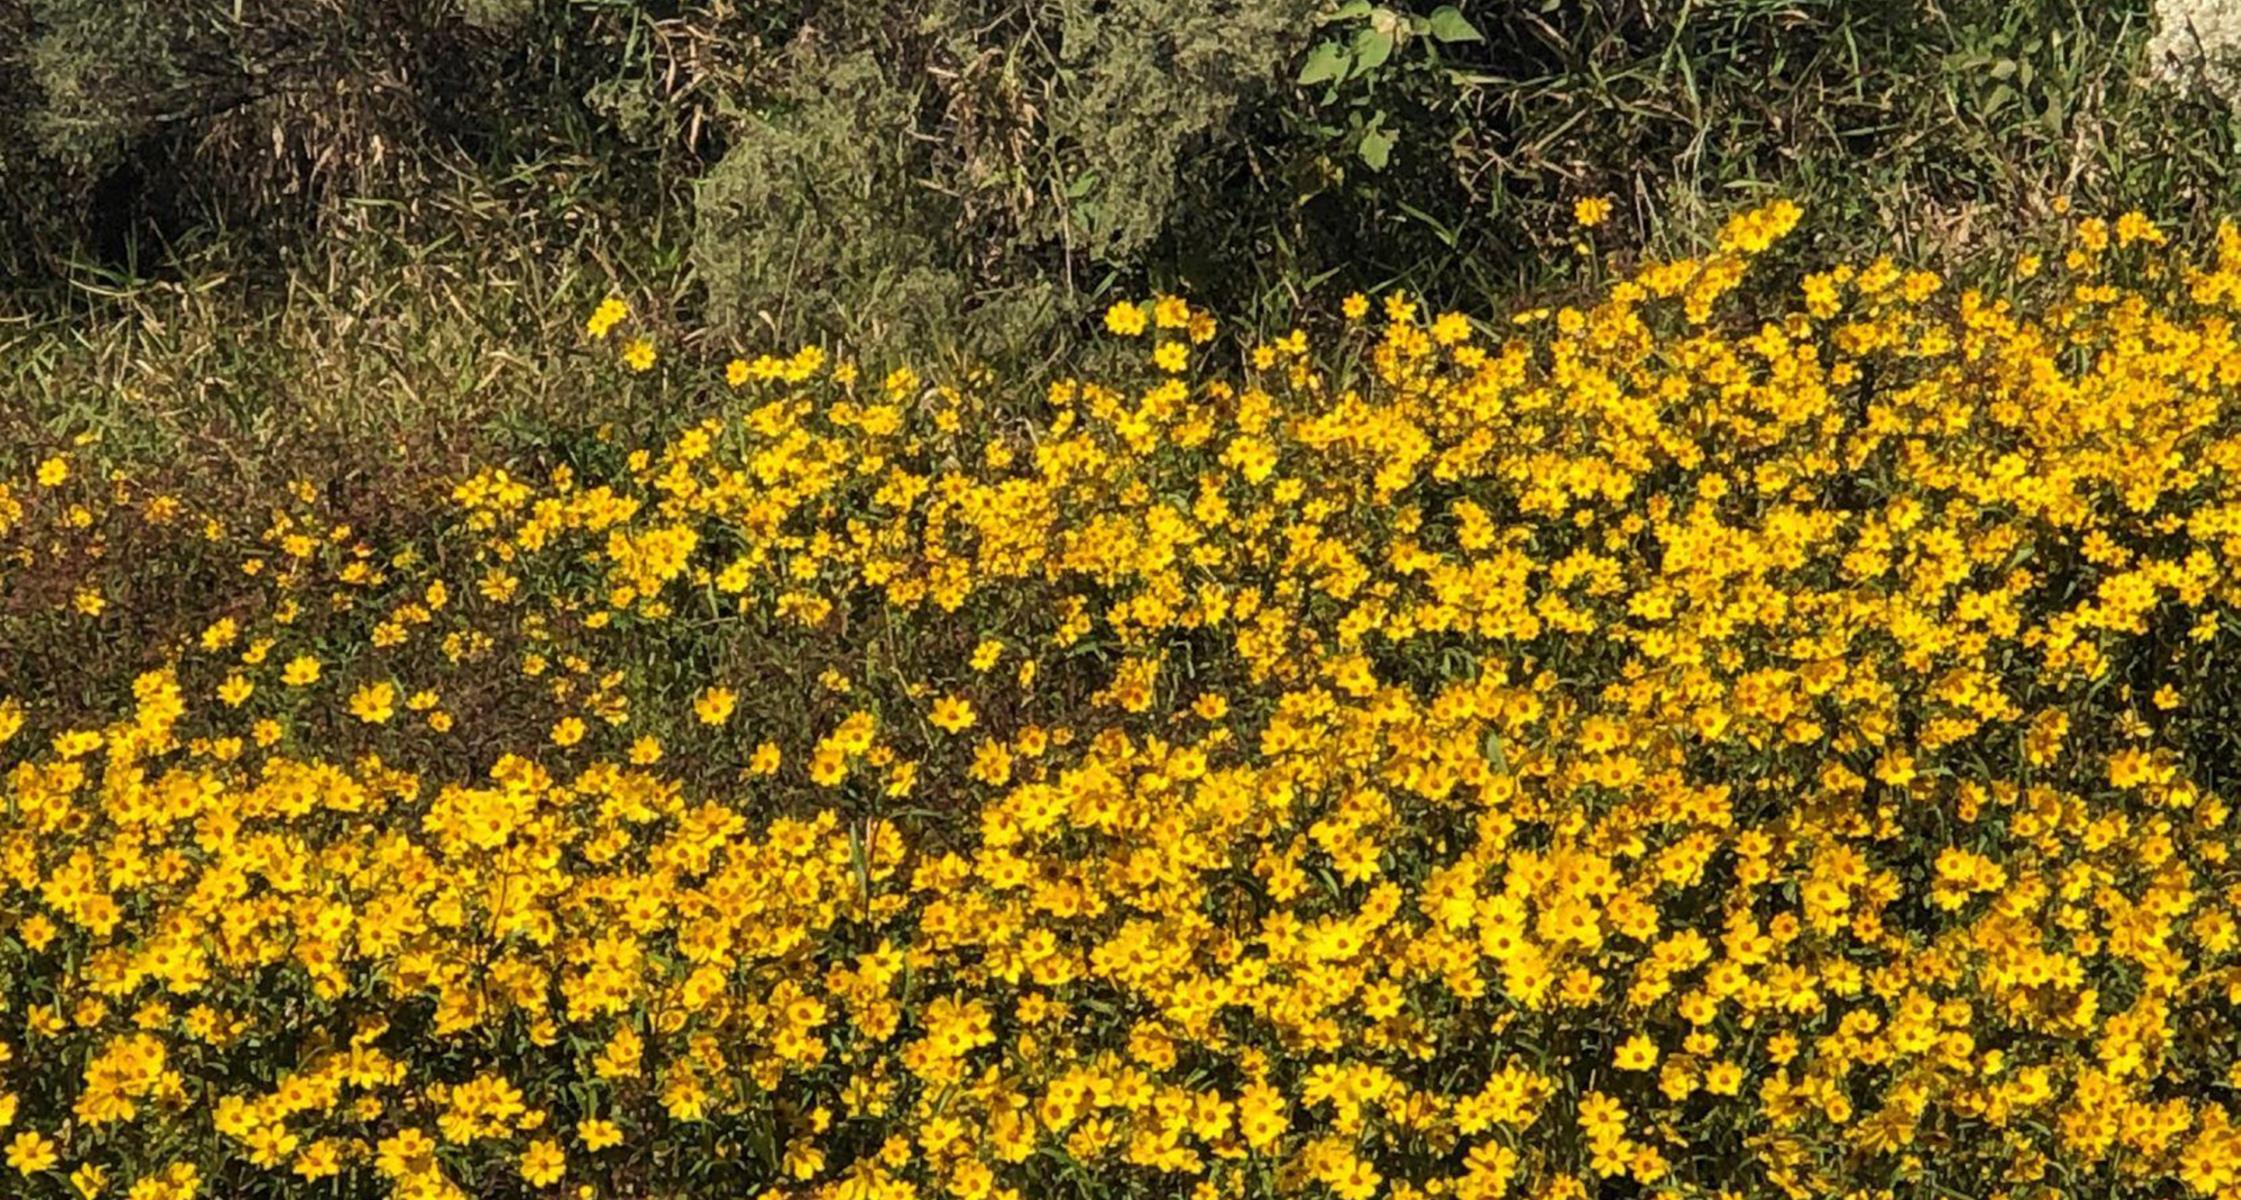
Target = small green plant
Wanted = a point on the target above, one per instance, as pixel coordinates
(1374, 48)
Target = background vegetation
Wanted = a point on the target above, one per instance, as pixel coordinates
(335, 223)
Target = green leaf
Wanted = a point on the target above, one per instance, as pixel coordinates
(1353, 10)
(1328, 61)
(1448, 24)
(1371, 48)
(1491, 747)
(1376, 148)
(1440, 231)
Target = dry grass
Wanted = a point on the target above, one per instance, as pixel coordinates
(422, 334)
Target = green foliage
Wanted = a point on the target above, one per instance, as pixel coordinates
(971, 176)
(165, 122)
(952, 182)
(814, 218)
(1363, 53)
(147, 120)
(108, 74)
(1924, 126)
(1144, 86)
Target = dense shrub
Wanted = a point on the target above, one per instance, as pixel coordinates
(150, 119)
(969, 162)
(817, 220)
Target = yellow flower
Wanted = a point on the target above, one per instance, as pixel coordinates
(220, 634)
(31, 1152)
(992, 763)
(568, 731)
(404, 1154)
(597, 1134)
(76, 743)
(714, 706)
(543, 1163)
(2134, 226)
(610, 312)
(1592, 211)
(54, 471)
(638, 355)
(1125, 319)
(301, 671)
(952, 714)
(1637, 1053)
(828, 766)
(319, 1160)
(765, 759)
(374, 703)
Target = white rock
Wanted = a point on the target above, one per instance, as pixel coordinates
(2198, 39)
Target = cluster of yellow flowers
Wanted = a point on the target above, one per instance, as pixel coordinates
(1680, 746)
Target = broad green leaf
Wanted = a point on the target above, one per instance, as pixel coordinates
(1327, 62)
(1376, 148)
(1448, 24)
(1371, 48)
